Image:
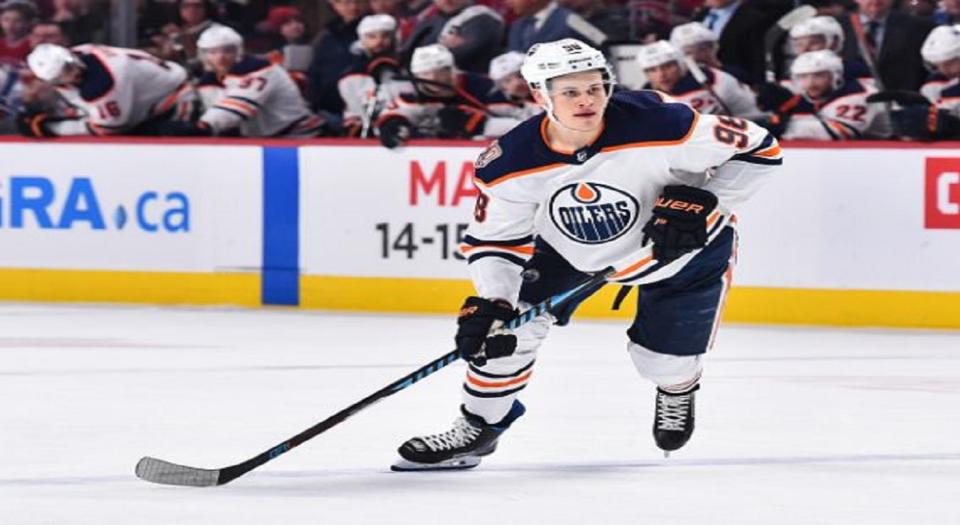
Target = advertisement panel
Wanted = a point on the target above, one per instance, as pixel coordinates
(372, 212)
(130, 207)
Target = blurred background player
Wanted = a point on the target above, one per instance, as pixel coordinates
(376, 63)
(17, 18)
(827, 106)
(602, 180)
(247, 95)
(936, 114)
(512, 102)
(437, 83)
(110, 90)
(700, 44)
(719, 94)
(11, 98)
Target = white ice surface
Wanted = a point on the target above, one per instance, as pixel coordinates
(794, 425)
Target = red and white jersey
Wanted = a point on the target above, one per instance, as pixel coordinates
(843, 115)
(736, 97)
(122, 88)
(944, 93)
(591, 204)
(260, 99)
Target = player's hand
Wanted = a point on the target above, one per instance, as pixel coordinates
(479, 334)
(394, 131)
(34, 125)
(771, 96)
(679, 221)
(776, 124)
(925, 123)
(460, 121)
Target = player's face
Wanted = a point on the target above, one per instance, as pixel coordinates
(514, 86)
(816, 85)
(13, 24)
(443, 75)
(376, 42)
(703, 53)
(578, 100)
(805, 44)
(221, 59)
(949, 68)
(71, 76)
(664, 76)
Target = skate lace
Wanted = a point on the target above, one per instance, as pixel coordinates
(672, 411)
(460, 435)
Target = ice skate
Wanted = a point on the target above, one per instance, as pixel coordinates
(674, 419)
(459, 448)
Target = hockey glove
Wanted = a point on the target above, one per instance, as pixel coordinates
(771, 96)
(679, 221)
(460, 121)
(477, 336)
(34, 125)
(394, 131)
(925, 123)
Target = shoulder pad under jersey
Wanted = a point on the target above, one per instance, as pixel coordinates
(512, 153)
(97, 78)
(635, 117)
(249, 64)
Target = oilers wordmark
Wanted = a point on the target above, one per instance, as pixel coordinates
(55, 204)
(593, 213)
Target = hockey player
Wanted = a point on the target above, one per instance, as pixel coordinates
(815, 34)
(827, 107)
(438, 84)
(246, 94)
(938, 116)
(720, 94)
(112, 91)
(11, 98)
(375, 64)
(509, 105)
(700, 44)
(602, 180)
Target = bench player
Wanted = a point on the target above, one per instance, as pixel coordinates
(600, 180)
(721, 94)
(826, 106)
(111, 91)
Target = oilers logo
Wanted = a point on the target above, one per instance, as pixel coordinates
(593, 213)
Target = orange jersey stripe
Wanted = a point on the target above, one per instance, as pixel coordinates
(527, 250)
(633, 267)
(516, 174)
(498, 384)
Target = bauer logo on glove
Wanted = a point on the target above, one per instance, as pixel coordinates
(679, 221)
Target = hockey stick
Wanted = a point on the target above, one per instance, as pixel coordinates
(701, 79)
(160, 471)
(775, 33)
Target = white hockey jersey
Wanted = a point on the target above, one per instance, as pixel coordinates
(944, 93)
(591, 204)
(736, 98)
(260, 99)
(843, 115)
(421, 110)
(121, 89)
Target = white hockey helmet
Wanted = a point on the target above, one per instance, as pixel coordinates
(942, 44)
(691, 34)
(47, 61)
(816, 62)
(505, 65)
(825, 26)
(550, 60)
(659, 53)
(430, 58)
(220, 36)
(376, 24)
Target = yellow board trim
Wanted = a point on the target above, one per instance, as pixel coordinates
(95, 286)
(888, 308)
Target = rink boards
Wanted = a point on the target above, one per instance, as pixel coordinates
(860, 234)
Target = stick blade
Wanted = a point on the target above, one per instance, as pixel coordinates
(159, 471)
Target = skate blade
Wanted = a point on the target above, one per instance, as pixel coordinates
(463, 463)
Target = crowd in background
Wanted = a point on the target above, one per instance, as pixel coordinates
(400, 69)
